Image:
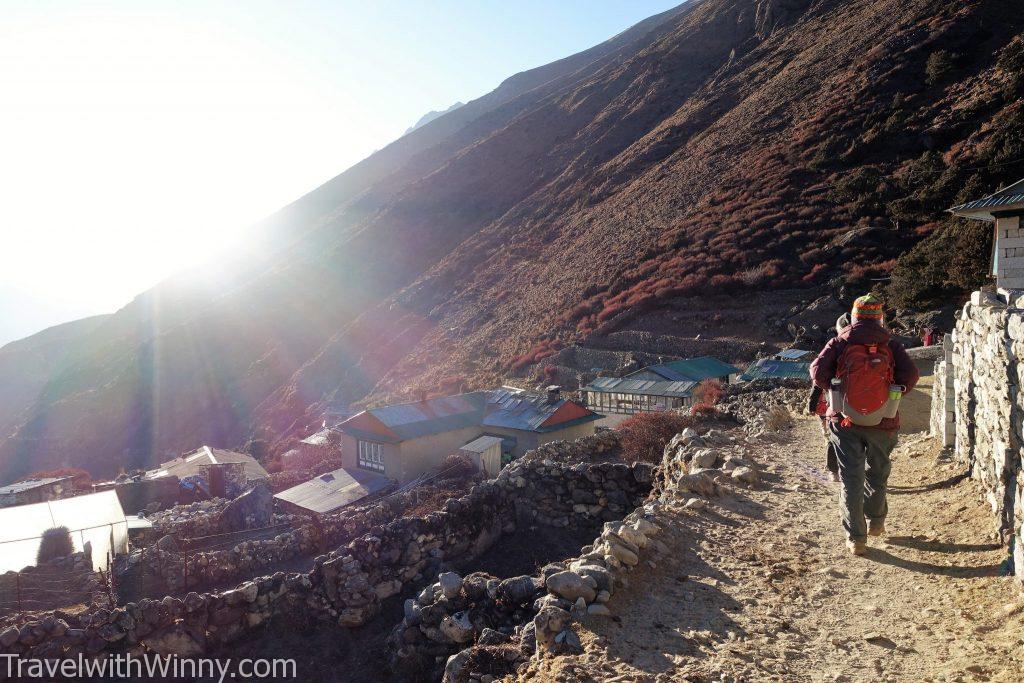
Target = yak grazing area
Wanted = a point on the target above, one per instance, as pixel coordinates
(723, 146)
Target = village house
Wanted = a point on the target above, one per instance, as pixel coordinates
(223, 473)
(1004, 209)
(689, 370)
(407, 440)
(628, 395)
(35, 491)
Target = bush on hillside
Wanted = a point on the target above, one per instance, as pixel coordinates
(954, 259)
(645, 435)
(940, 64)
(55, 542)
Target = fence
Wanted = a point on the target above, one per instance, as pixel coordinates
(52, 587)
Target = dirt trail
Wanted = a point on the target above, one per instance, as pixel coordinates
(760, 587)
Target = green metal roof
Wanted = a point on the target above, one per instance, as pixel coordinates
(692, 369)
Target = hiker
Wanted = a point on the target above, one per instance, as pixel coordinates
(818, 405)
(864, 372)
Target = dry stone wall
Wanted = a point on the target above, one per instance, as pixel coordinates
(988, 406)
(347, 585)
(942, 422)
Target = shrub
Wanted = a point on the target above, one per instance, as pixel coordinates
(701, 410)
(55, 542)
(939, 65)
(645, 435)
(708, 393)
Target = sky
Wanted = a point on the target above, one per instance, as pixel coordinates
(139, 137)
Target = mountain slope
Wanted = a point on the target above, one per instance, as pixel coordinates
(723, 146)
(431, 115)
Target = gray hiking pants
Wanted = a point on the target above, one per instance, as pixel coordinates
(864, 471)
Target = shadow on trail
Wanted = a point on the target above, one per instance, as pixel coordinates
(940, 546)
(934, 486)
(955, 571)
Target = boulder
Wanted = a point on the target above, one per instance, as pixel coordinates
(457, 627)
(175, 641)
(518, 590)
(746, 475)
(704, 459)
(451, 584)
(571, 586)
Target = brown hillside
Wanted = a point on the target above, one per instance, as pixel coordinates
(725, 146)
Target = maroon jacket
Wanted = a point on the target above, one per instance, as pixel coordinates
(823, 369)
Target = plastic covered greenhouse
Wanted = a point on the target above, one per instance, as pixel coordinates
(96, 518)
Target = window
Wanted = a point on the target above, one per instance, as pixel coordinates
(371, 456)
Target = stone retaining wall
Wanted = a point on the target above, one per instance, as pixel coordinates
(988, 405)
(348, 584)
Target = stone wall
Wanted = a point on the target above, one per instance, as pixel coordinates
(347, 585)
(989, 409)
(942, 423)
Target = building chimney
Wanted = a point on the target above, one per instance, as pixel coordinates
(554, 393)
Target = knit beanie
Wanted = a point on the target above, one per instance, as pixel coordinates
(867, 307)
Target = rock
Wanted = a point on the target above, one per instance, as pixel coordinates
(412, 612)
(579, 608)
(451, 584)
(571, 586)
(518, 590)
(489, 636)
(167, 544)
(623, 554)
(454, 666)
(9, 637)
(548, 623)
(603, 597)
(385, 589)
(598, 610)
(175, 641)
(700, 483)
(695, 504)
(457, 628)
(704, 459)
(250, 591)
(568, 642)
(746, 475)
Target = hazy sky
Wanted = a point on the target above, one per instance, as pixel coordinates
(138, 137)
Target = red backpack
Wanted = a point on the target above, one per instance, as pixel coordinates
(866, 371)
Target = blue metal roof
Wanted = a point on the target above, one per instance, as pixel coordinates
(641, 387)
(791, 354)
(982, 208)
(692, 369)
(505, 407)
(770, 368)
(433, 416)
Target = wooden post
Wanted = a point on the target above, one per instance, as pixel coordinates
(17, 581)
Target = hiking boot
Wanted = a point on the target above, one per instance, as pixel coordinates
(857, 547)
(876, 527)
